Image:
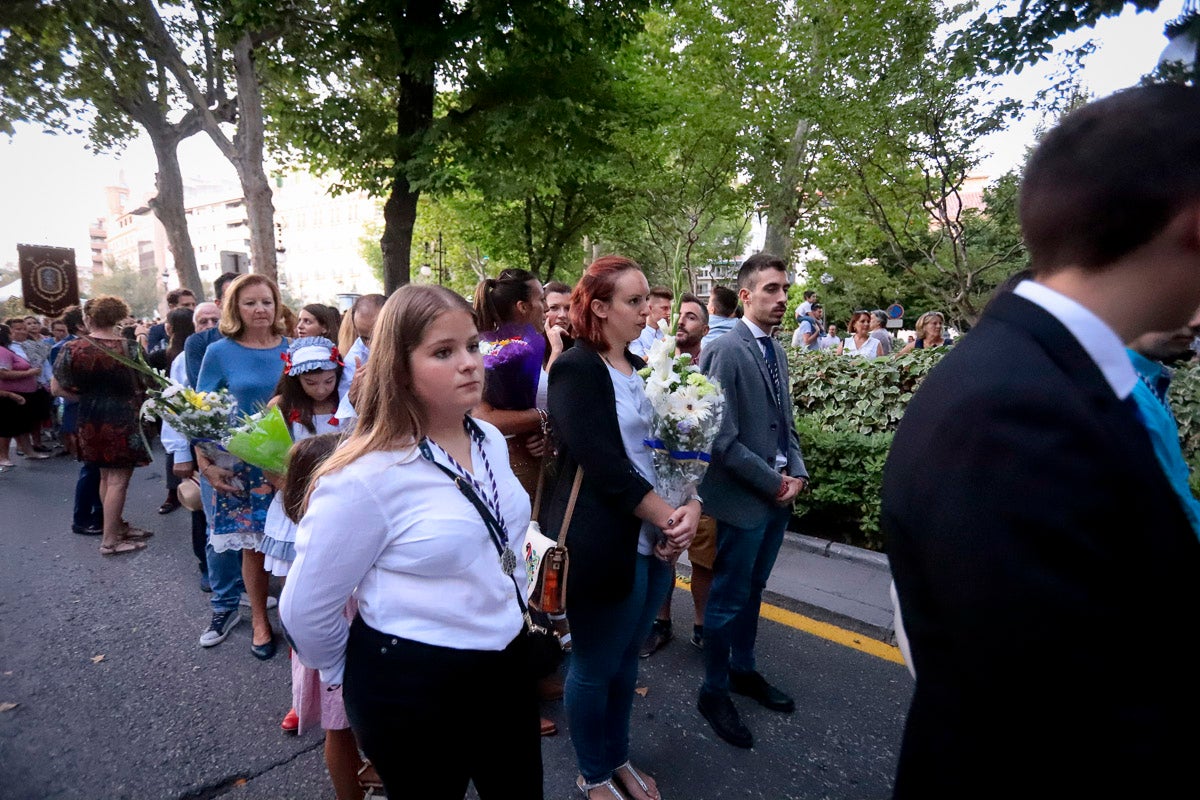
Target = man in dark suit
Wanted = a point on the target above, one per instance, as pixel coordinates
(755, 474)
(1044, 566)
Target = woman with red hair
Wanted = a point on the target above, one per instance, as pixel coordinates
(622, 534)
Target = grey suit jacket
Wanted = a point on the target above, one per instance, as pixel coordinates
(742, 482)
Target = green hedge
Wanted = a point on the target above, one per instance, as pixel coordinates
(847, 410)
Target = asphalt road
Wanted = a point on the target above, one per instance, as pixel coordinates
(115, 699)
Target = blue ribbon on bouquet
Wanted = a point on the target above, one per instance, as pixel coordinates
(679, 455)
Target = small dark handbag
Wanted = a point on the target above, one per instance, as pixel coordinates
(543, 646)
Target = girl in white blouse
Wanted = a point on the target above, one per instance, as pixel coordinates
(439, 635)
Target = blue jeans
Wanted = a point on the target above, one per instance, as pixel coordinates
(745, 558)
(89, 513)
(224, 568)
(603, 671)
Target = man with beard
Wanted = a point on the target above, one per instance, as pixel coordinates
(689, 333)
(1153, 354)
(755, 474)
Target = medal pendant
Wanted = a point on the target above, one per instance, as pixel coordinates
(508, 561)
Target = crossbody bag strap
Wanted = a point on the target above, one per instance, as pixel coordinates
(566, 523)
(537, 495)
(489, 522)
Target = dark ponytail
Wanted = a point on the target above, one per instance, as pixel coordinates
(496, 298)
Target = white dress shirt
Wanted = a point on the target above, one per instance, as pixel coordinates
(1097, 339)
(172, 440)
(393, 530)
(358, 352)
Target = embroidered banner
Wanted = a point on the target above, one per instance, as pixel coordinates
(49, 283)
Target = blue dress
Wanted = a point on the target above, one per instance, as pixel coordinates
(236, 521)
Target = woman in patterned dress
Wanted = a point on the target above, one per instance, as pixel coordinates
(247, 362)
(110, 397)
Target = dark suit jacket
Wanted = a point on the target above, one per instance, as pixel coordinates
(193, 352)
(741, 483)
(1045, 571)
(603, 536)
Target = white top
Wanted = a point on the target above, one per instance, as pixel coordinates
(633, 415)
(392, 530)
(870, 348)
(358, 351)
(1093, 334)
(172, 440)
(641, 345)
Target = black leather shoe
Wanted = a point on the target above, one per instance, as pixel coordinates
(89, 531)
(264, 651)
(722, 715)
(755, 686)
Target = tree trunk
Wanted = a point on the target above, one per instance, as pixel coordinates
(248, 160)
(168, 206)
(414, 120)
(783, 210)
(399, 218)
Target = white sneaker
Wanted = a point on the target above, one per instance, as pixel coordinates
(272, 602)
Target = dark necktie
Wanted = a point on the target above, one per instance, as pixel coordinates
(772, 364)
(777, 384)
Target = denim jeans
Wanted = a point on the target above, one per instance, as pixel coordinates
(224, 568)
(602, 675)
(745, 557)
(89, 513)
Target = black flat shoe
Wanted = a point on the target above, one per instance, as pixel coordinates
(722, 715)
(82, 531)
(264, 651)
(168, 506)
(755, 686)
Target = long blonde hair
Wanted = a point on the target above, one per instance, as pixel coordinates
(389, 414)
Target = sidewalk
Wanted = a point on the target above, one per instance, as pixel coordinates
(835, 583)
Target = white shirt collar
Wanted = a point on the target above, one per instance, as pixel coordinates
(1098, 340)
(754, 329)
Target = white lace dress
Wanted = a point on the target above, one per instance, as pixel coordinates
(278, 544)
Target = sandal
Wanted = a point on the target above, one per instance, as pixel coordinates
(627, 769)
(121, 547)
(368, 776)
(132, 534)
(610, 790)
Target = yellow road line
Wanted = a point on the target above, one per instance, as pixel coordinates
(855, 641)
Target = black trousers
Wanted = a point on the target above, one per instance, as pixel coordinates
(433, 719)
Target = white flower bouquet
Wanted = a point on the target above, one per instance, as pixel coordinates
(686, 411)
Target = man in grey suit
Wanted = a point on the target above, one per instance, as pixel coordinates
(755, 474)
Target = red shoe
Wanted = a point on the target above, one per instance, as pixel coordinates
(291, 722)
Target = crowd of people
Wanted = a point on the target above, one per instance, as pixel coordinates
(868, 335)
(416, 465)
(423, 454)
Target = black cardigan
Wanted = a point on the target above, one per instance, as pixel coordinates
(603, 536)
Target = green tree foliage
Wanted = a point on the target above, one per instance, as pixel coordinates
(1010, 36)
(893, 189)
(138, 288)
(360, 83)
(83, 68)
(682, 205)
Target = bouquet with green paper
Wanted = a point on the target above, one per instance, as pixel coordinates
(262, 439)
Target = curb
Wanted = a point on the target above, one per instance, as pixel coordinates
(845, 552)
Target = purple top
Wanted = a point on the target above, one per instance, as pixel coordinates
(512, 370)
